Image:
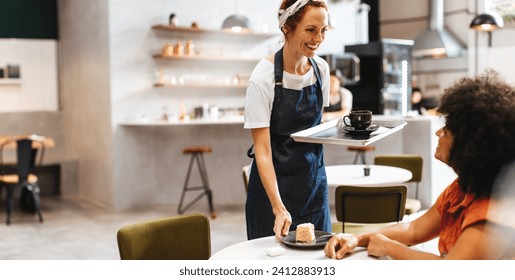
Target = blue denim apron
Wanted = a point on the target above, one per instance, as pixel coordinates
(299, 167)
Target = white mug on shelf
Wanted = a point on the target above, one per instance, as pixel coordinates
(213, 112)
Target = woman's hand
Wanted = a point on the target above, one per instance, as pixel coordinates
(282, 223)
(377, 245)
(340, 245)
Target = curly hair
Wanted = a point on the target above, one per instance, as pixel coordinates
(293, 21)
(479, 113)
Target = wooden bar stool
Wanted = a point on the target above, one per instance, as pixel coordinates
(360, 152)
(197, 154)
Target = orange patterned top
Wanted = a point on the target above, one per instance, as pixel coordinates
(458, 210)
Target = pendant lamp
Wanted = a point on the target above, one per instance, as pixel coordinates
(236, 22)
(488, 23)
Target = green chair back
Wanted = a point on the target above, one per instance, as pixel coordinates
(183, 237)
(382, 204)
(412, 163)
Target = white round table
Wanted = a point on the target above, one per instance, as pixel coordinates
(255, 249)
(353, 175)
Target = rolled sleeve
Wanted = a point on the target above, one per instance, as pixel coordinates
(258, 107)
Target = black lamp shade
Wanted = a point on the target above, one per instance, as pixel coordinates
(236, 23)
(486, 22)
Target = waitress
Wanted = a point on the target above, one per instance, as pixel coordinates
(286, 92)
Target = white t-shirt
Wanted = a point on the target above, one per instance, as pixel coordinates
(260, 91)
(346, 98)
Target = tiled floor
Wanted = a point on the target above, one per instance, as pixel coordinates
(75, 230)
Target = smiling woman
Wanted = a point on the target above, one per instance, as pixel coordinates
(285, 94)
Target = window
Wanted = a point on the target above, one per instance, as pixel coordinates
(505, 8)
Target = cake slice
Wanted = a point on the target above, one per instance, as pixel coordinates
(305, 233)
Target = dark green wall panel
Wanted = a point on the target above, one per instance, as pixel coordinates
(29, 19)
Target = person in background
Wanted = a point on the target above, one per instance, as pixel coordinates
(340, 101)
(416, 99)
(477, 140)
(421, 103)
(286, 92)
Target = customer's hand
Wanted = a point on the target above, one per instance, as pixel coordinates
(340, 245)
(377, 245)
(282, 223)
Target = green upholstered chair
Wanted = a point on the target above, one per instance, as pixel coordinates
(369, 205)
(183, 237)
(413, 163)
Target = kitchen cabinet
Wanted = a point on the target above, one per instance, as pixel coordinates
(217, 59)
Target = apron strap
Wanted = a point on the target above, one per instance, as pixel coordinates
(278, 76)
(250, 152)
(278, 71)
(317, 72)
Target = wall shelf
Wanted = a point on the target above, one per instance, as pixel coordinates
(207, 58)
(237, 120)
(10, 82)
(190, 30)
(201, 86)
(190, 71)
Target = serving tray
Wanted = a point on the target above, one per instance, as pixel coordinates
(331, 133)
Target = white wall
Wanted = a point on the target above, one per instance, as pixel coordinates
(499, 55)
(501, 59)
(345, 23)
(37, 88)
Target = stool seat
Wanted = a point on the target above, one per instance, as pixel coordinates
(361, 148)
(197, 149)
(360, 152)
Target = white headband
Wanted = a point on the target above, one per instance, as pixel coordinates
(291, 10)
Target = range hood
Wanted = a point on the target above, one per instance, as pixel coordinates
(436, 41)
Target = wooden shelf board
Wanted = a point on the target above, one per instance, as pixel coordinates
(199, 86)
(206, 58)
(212, 31)
(11, 81)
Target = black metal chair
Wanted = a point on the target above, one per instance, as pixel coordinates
(27, 158)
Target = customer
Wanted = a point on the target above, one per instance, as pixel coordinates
(340, 101)
(287, 184)
(477, 140)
